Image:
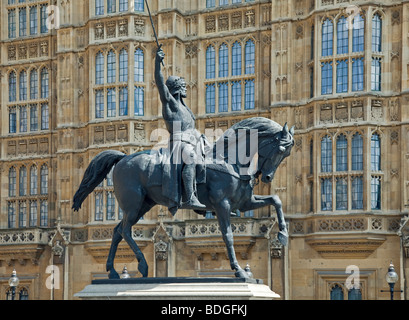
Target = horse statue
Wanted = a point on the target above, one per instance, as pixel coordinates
(227, 187)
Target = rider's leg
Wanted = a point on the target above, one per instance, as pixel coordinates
(189, 183)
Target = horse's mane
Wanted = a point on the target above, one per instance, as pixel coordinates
(266, 128)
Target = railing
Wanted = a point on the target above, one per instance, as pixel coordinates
(24, 236)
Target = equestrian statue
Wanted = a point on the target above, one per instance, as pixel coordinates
(190, 173)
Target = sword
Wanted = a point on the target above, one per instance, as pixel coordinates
(153, 27)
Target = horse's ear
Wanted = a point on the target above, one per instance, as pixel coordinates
(292, 130)
(285, 129)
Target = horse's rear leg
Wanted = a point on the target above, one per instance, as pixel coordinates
(223, 216)
(116, 239)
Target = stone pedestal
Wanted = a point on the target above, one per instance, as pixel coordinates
(177, 289)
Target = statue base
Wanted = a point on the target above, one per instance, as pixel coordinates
(177, 289)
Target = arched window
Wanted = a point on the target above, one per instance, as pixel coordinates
(33, 213)
(33, 181)
(326, 154)
(236, 96)
(376, 33)
(223, 96)
(111, 102)
(139, 65)
(249, 98)
(111, 67)
(236, 59)
(223, 61)
(23, 294)
(342, 153)
(326, 78)
(12, 86)
(375, 152)
(337, 293)
(358, 74)
(342, 76)
(22, 214)
(358, 34)
(249, 57)
(12, 182)
(99, 104)
(376, 74)
(210, 62)
(123, 66)
(327, 38)
(23, 181)
(11, 214)
(342, 193)
(375, 193)
(342, 36)
(357, 152)
(326, 194)
(210, 98)
(43, 213)
(357, 192)
(33, 84)
(44, 180)
(23, 85)
(123, 101)
(44, 83)
(139, 101)
(99, 68)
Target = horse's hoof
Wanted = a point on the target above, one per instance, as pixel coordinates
(241, 274)
(282, 237)
(113, 275)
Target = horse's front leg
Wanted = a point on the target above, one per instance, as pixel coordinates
(223, 216)
(258, 201)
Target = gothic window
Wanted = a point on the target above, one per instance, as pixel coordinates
(23, 294)
(249, 94)
(210, 62)
(33, 20)
(22, 214)
(236, 96)
(99, 7)
(23, 86)
(375, 152)
(111, 67)
(11, 213)
(123, 66)
(12, 120)
(139, 5)
(99, 202)
(123, 5)
(33, 84)
(376, 33)
(236, 59)
(43, 19)
(223, 97)
(44, 83)
(111, 102)
(23, 181)
(326, 154)
(123, 101)
(12, 86)
(342, 153)
(210, 3)
(358, 34)
(342, 36)
(376, 74)
(375, 193)
(45, 125)
(357, 193)
(111, 6)
(23, 119)
(358, 74)
(99, 104)
(139, 101)
(22, 22)
(33, 117)
(210, 98)
(12, 23)
(223, 61)
(223, 2)
(99, 68)
(341, 193)
(105, 201)
(139, 65)
(249, 57)
(326, 194)
(342, 76)
(43, 213)
(12, 182)
(326, 78)
(33, 213)
(110, 214)
(357, 152)
(337, 293)
(44, 180)
(327, 38)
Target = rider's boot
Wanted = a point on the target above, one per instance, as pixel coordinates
(189, 177)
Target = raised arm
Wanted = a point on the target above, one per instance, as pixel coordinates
(159, 79)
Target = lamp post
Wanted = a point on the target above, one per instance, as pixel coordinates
(13, 283)
(391, 278)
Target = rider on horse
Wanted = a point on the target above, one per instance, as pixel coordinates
(186, 143)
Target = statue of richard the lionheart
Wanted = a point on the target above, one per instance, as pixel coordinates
(186, 144)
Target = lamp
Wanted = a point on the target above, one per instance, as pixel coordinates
(13, 283)
(391, 278)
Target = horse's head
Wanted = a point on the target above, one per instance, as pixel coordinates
(273, 153)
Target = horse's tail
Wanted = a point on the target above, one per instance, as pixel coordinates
(96, 172)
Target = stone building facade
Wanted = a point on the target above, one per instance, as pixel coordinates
(76, 78)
